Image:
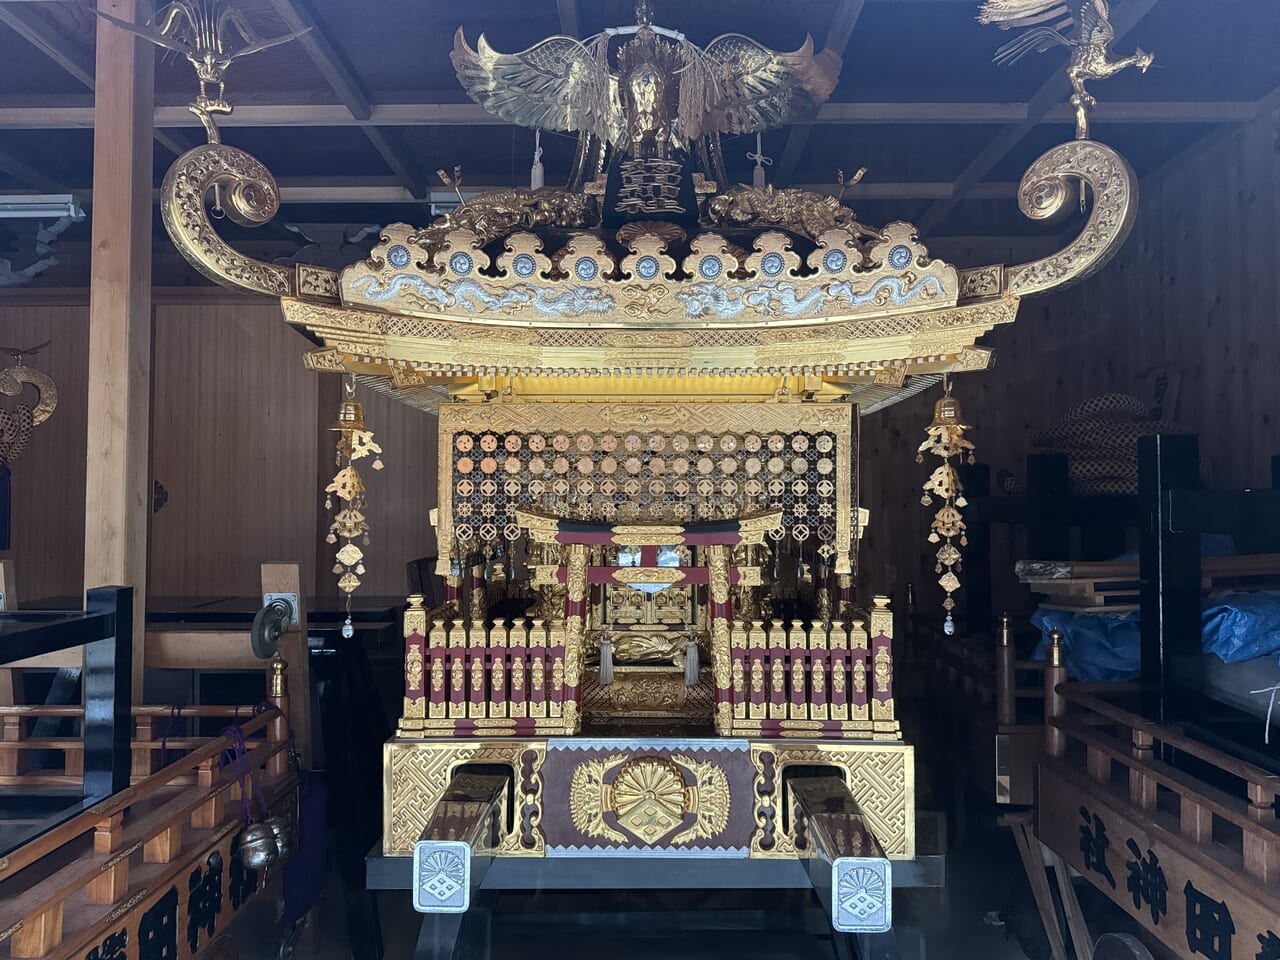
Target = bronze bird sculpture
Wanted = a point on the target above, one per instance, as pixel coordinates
(659, 93)
(199, 30)
(1083, 26)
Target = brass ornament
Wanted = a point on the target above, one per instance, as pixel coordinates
(661, 92)
(649, 799)
(17, 423)
(349, 522)
(946, 439)
(1082, 26)
(201, 31)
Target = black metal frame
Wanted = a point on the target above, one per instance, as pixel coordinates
(105, 630)
(444, 936)
(1175, 512)
(1048, 511)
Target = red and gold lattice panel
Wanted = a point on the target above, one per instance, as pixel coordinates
(626, 462)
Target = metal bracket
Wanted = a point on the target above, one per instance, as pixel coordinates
(289, 598)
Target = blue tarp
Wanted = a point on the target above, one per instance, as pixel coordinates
(1096, 648)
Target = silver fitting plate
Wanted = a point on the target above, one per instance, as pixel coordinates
(290, 598)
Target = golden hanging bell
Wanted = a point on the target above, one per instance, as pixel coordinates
(350, 416)
(946, 413)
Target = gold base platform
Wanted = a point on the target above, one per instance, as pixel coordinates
(669, 796)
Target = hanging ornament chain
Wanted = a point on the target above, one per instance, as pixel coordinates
(946, 440)
(349, 523)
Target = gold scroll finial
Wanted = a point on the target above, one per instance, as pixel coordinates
(1050, 23)
(200, 31)
(278, 684)
(644, 13)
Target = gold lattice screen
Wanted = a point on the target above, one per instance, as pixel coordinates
(621, 462)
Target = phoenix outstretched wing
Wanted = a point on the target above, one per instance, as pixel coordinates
(557, 84)
(747, 87)
(1048, 23)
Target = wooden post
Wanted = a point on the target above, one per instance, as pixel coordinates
(1055, 704)
(1006, 676)
(8, 601)
(110, 885)
(117, 500)
(287, 578)
(1169, 590)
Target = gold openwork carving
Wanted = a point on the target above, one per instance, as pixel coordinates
(649, 799)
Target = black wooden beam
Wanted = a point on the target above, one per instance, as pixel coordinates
(339, 74)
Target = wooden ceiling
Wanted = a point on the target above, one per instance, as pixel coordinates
(354, 118)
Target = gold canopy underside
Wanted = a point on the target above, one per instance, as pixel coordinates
(818, 361)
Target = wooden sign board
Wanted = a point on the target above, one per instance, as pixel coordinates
(1190, 896)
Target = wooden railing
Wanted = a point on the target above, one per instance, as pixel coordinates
(148, 748)
(102, 872)
(471, 679)
(1181, 835)
(824, 679)
(1119, 743)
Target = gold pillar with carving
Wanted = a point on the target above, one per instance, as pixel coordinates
(720, 615)
(575, 610)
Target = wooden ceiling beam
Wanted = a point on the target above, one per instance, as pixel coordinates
(383, 190)
(58, 48)
(1051, 94)
(1264, 108)
(570, 18)
(843, 21)
(28, 177)
(63, 115)
(337, 72)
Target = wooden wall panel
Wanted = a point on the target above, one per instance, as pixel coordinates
(1195, 289)
(234, 444)
(48, 480)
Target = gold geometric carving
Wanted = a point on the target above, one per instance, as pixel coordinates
(881, 778)
(447, 348)
(327, 360)
(416, 774)
(318, 283)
